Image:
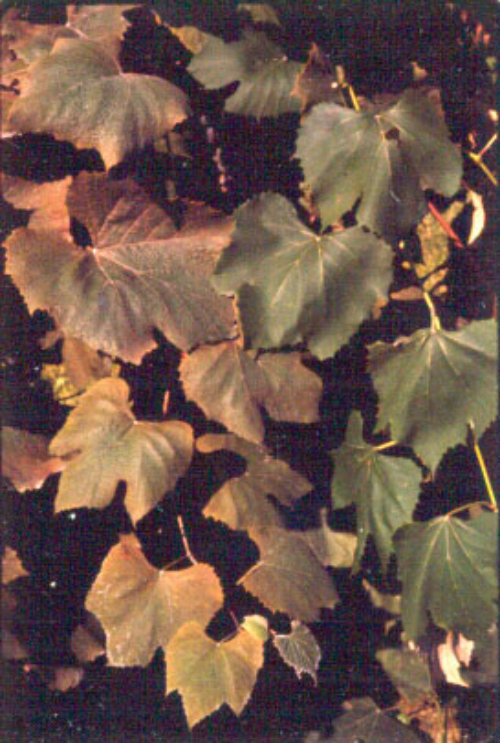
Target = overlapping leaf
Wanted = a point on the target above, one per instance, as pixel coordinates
(364, 721)
(26, 460)
(384, 489)
(335, 549)
(241, 502)
(141, 271)
(266, 77)
(141, 608)
(231, 387)
(433, 383)
(294, 285)
(209, 674)
(409, 672)
(383, 158)
(288, 577)
(46, 201)
(78, 93)
(107, 444)
(12, 567)
(104, 24)
(448, 568)
(299, 650)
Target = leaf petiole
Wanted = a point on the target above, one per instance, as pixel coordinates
(478, 161)
(435, 322)
(386, 445)
(482, 466)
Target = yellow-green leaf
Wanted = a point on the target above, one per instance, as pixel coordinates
(208, 674)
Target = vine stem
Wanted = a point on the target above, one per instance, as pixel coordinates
(482, 466)
(185, 542)
(435, 323)
(478, 161)
(354, 98)
(387, 445)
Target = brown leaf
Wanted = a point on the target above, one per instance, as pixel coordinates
(106, 444)
(241, 502)
(141, 608)
(317, 81)
(141, 272)
(12, 566)
(26, 459)
(231, 387)
(85, 645)
(46, 200)
(288, 577)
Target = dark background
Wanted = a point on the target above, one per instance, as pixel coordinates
(63, 556)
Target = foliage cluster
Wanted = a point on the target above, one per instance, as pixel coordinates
(258, 294)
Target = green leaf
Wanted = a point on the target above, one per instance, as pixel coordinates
(433, 383)
(79, 93)
(408, 671)
(366, 722)
(107, 444)
(299, 650)
(209, 674)
(26, 460)
(141, 608)
(384, 158)
(294, 285)
(288, 576)
(241, 502)
(231, 387)
(335, 549)
(384, 489)
(448, 568)
(257, 626)
(266, 77)
(141, 272)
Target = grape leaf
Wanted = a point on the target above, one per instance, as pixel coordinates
(79, 93)
(384, 489)
(141, 271)
(408, 671)
(12, 567)
(231, 386)
(141, 608)
(288, 576)
(299, 650)
(448, 568)
(107, 444)
(294, 285)
(266, 77)
(433, 383)
(259, 12)
(46, 201)
(85, 645)
(256, 625)
(209, 674)
(364, 721)
(241, 502)
(384, 158)
(104, 24)
(26, 460)
(317, 82)
(335, 549)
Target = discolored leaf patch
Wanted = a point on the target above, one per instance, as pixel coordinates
(26, 460)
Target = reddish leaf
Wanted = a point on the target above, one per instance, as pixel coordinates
(26, 460)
